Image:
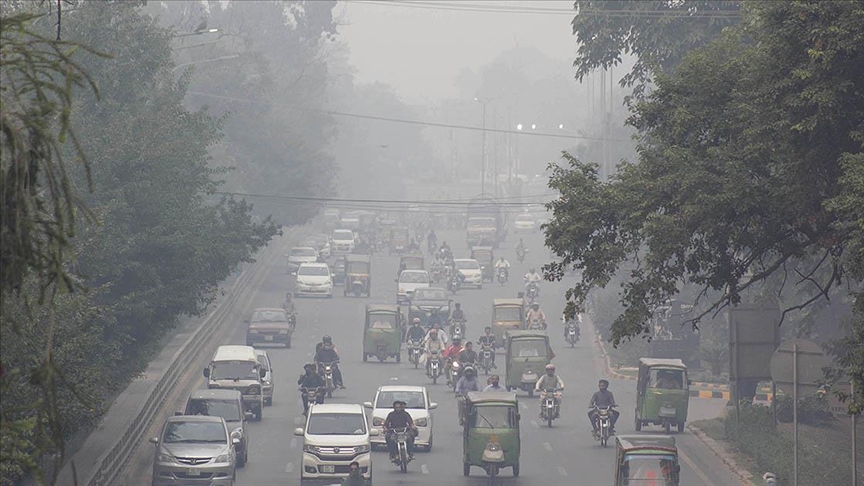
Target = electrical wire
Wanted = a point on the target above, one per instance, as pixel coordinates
(487, 8)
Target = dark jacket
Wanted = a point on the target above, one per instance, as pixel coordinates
(313, 380)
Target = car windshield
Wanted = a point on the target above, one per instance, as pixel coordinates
(357, 267)
(511, 313)
(336, 424)
(382, 321)
(270, 315)
(413, 399)
(194, 431)
(493, 417)
(227, 409)
(653, 470)
(668, 379)
(303, 252)
(343, 235)
(467, 265)
(430, 294)
(482, 256)
(233, 370)
(414, 277)
(528, 348)
(313, 271)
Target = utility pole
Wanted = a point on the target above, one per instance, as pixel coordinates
(484, 102)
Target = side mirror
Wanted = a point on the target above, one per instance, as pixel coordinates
(298, 431)
(262, 372)
(206, 372)
(374, 433)
(235, 441)
(433, 406)
(248, 415)
(367, 404)
(154, 440)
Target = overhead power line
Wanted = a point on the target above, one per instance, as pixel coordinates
(510, 9)
(503, 201)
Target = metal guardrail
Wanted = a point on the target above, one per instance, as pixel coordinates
(112, 461)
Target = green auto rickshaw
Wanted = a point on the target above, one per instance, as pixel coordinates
(485, 256)
(382, 333)
(646, 459)
(528, 353)
(358, 275)
(490, 438)
(662, 393)
(507, 315)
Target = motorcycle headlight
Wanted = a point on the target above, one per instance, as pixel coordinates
(222, 458)
(377, 422)
(421, 422)
(362, 448)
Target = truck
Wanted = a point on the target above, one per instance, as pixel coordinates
(485, 223)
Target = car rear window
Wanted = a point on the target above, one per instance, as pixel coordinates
(414, 277)
(313, 271)
(467, 265)
(227, 409)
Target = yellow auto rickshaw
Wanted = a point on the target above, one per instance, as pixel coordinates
(662, 393)
(382, 332)
(646, 459)
(507, 315)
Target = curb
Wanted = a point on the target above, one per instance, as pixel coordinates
(719, 451)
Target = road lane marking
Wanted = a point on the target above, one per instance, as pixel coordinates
(289, 468)
(548, 446)
(535, 424)
(695, 468)
(562, 471)
(294, 443)
(424, 469)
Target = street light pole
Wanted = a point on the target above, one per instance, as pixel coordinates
(483, 164)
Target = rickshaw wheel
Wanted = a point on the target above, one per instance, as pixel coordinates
(530, 392)
(638, 424)
(508, 388)
(516, 470)
(399, 357)
(466, 469)
(680, 427)
(666, 426)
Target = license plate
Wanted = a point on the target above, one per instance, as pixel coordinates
(268, 338)
(193, 472)
(328, 469)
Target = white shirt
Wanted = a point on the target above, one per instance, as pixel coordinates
(441, 335)
(502, 264)
(533, 277)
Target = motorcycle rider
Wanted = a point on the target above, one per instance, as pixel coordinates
(311, 379)
(503, 263)
(325, 352)
(432, 240)
(549, 380)
(432, 344)
(435, 318)
(399, 419)
(493, 384)
(452, 354)
(445, 338)
(288, 305)
(532, 277)
(575, 321)
(535, 314)
(468, 382)
(521, 247)
(467, 356)
(488, 340)
(355, 477)
(415, 332)
(601, 399)
(458, 314)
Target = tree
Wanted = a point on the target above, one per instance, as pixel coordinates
(745, 152)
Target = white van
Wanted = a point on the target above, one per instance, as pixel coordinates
(336, 434)
(237, 368)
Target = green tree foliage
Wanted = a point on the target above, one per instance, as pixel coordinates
(658, 32)
(745, 160)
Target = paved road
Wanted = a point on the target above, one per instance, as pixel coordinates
(565, 454)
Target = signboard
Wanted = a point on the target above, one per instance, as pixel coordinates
(811, 361)
(754, 334)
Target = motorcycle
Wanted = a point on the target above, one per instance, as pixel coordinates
(550, 404)
(326, 372)
(537, 325)
(313, 395)
(502, 275)
(414, 351)
(520, 254)
(532, 291)
(572, 334)
(437, 273)
(400, 436)
(455, 371)
(603, 417)
(457, 329)
(486, 354)
(434, 367)
(454, 283)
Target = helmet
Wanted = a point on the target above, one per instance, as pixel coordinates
(488, 328)
(604, 382)
(468, 369)
(535, 305)
(550, 367)
(309, 366)
(416, 320)
(326, 338)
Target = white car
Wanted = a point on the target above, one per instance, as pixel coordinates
(408, 282)
(314, 279)
(320, 242)
(525, 222)
(418, 406)
(300, 255)
(342, 241)
(336, 434)
(470, 269)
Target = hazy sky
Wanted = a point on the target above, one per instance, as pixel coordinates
(420, 51)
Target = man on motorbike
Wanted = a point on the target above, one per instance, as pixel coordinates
(521, 250)
(433, 344)
(549, 381)
(432, 240)
(535, 314)
(435, 318)
(603, 398)
(399, 419)
(574, 321)
(488, 340)
(467, 356)
(288, 305)
(326, 353)
(503, 263)
(452, 354)
(458, 314)
(415, 333)
(443, 336)
(355, 477)
(493, 384)
(311, 379)
(532, 277)
(468, 382)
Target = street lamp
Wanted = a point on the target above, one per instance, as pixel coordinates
(197, 32)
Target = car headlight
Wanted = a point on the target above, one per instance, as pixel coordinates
(421, 422)
(377, 422)
(311, 449)
(237, 433)
(362, 448)
(164, 457)
(222, 458)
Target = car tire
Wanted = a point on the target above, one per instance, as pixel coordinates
(466, 469)
(241, 460)
(516, 470)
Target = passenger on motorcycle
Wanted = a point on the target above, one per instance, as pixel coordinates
(288, 305)
(535, 314)
(433, 344)
(435, 318)
(503, 263)
(467, 356)
(325, 352)
(311, 379)
(441, 334)
(415, 332)
(550, 380)
(488, 340)
(399, 419)
(493, 384)
(603, 398)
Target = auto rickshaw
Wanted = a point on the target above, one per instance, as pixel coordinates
(507, 315)
(358, 275)
(486, 258)
(662, 393)
(490, 438)
(382, 333)
(339, 271)
(528, 353)
(411, 262)
(646, 459)
(399, 239)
